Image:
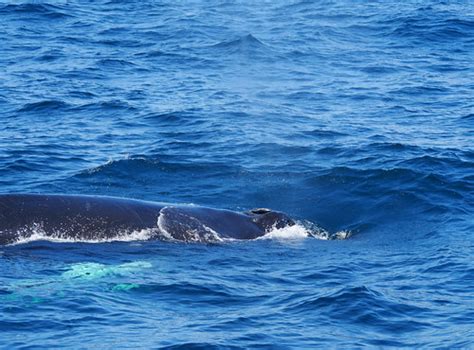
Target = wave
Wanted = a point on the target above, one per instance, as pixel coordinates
(121, 43)
(115, 63)
(179, 119)
(206, 345)
(363, 305)
(46, 105)
(394, 179)
(468, 117)
(45, 10)
(424, 28)
(104, 106)
(247, 45)
(144, 166)
(324, 133)
(50, 55)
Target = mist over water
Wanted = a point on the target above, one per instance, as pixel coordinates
(355, 117)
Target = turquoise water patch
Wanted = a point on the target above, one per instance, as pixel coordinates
(357, 116)
(79, 275)
(91, 271)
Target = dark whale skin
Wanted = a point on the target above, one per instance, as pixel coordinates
(83, 217)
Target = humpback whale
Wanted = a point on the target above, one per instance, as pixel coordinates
(98, 218)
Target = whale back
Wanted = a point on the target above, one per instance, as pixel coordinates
(76, 217)
(93, 218)
(206, 224)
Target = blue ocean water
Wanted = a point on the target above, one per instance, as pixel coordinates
(357, 116)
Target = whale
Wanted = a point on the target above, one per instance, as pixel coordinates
(102, 218)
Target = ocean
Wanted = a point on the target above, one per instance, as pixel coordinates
(354, 116)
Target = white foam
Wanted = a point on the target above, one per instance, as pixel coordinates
(62, 237)
(294, 232)
(304, 230)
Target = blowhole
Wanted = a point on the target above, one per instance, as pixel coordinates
(260, 211)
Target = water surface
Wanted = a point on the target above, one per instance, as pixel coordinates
(355, 116)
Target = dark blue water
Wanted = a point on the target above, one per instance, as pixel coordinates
(354, 116)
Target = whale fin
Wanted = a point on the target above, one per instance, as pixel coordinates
(179, 224)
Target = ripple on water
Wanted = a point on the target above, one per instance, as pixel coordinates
(354, 118)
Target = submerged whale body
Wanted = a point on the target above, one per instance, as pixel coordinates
(94, 218)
